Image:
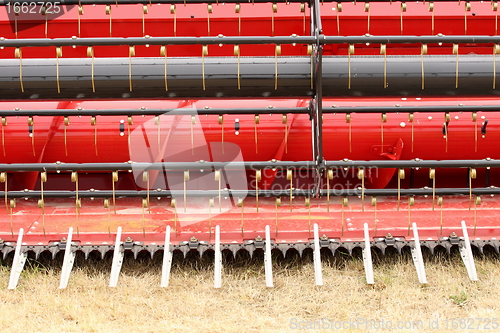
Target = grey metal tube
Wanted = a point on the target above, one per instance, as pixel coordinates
(260, 40)
(248, 193)
(252, 111)
(155, 112)
(404, 77)
(253, 165)
(148, 81)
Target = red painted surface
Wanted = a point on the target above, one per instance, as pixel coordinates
(93, 221)
(97, 225)
(293, 226)
(256, 20)
(366, 131)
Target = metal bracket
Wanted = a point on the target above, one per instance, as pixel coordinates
(128, 244)
(193, 243)
(384, 150)
(62, 244)
(454, 239)
(389, 240)
(324, 241)
(259, 242)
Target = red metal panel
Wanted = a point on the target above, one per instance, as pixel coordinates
(362, 139)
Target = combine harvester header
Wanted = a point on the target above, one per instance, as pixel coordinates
(259, 126)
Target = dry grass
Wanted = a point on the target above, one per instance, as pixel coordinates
(244, 303)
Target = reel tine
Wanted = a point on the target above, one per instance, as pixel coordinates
(108, 12)
(423, 51)
(274, 10)
(58, 55)
(80, 13)
(173, 11)
(145, 11)
(131, 53)
(204, 52)
(209, 11)
(367, 10)
(114, 178)
(240, 204)
(403, 10)
(19, 55)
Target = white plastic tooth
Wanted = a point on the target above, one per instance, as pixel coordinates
(218, 259)
(69, 259)
(467, 257)
(318, 274)
(367, 257)
(167, 260)
(417, 256)
(268, 264)
(18, 262)
(116, 266)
